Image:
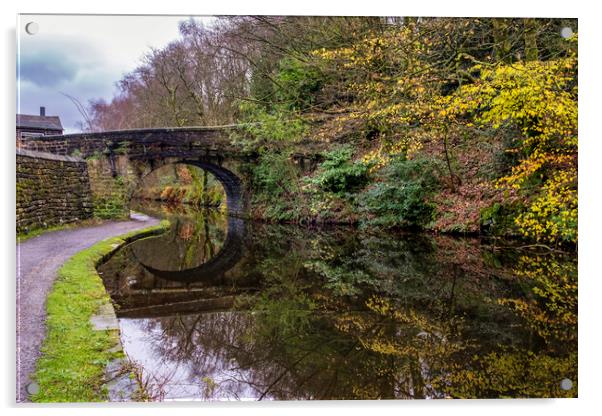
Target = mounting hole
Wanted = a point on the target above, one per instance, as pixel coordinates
(32, 388)
(566, 32)
(566, 384)
(32, 28)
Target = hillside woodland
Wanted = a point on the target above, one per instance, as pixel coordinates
(465, 125)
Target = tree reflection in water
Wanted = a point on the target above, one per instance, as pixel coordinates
(341, 314)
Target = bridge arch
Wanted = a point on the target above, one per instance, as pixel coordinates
(230, 181)
(117, 154)
(232, 250)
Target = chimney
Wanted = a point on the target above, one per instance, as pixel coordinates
(42, 111)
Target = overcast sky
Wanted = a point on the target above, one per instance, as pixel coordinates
(83, 56)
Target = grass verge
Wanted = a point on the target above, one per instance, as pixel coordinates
(74, 356)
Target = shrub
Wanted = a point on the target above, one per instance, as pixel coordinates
(299, 84)
(276, 187)
(275, 174)
(402, 198)
(498, 219)
(339, 174)
(269, 126)
(552, 215)
(167, 193)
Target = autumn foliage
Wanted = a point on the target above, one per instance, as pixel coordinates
(486, 107)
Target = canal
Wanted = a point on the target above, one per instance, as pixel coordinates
(218, 308)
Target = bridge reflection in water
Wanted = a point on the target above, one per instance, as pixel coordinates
(181, 270)
(219, 309)
(214, 269)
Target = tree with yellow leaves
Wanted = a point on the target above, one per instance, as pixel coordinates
(539, 100)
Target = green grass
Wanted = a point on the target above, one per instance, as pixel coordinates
(74, 355)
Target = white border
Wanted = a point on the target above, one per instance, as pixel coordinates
(590, 153)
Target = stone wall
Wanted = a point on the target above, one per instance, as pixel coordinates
(181, 141)
(111, 183)
(51, 190)
(119, 160)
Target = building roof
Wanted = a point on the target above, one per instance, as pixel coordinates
(39, 122)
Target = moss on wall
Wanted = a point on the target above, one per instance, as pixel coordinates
(51, 190)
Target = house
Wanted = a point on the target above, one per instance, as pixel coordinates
(42, 125)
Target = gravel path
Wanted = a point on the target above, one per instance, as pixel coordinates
(38, 261)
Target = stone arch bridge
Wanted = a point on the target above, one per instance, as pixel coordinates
(127, 156)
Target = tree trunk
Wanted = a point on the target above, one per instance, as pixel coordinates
(502, 47)
(452, 175)
(530, 27)
(204, 197)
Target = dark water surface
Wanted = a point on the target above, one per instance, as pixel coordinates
(219, 309)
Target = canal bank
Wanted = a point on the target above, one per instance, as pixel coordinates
(39, 261)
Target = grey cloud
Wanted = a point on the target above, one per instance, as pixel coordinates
(52, 64)
(52, 60)
(47, 68)
(32, 96)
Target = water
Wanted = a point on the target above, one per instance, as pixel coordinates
(222, 309)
